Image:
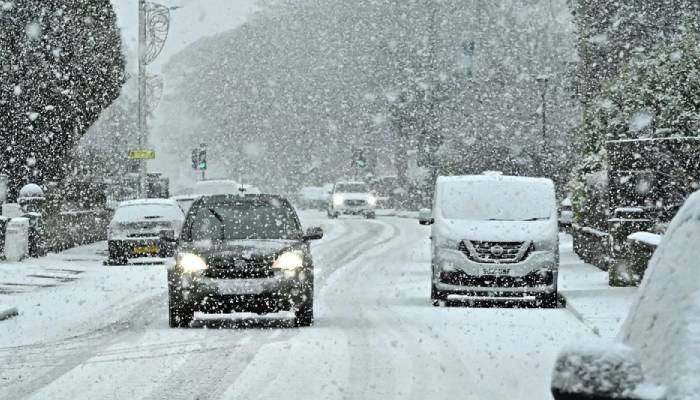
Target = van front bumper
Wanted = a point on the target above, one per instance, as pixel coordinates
(454, 273)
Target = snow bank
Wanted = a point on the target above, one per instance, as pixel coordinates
(664, 323)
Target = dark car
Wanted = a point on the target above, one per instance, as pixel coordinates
(242, 254)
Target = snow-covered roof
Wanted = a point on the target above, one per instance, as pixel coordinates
(492, 178)
(664, 323)
(148, 201)
(350, 183)
(186, 197)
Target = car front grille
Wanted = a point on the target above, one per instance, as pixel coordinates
(239, 269)
(355, 203)
(461, 278)
(143, 235)
(495, 252)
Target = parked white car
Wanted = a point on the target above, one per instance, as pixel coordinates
(351, 198)
(494, 236)
(144, 228)
(657, 353)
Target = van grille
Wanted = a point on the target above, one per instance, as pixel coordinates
(355, 203)
(495, 252)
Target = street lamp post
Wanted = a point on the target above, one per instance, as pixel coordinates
(154, 24)
(142, 93)
(543, 80)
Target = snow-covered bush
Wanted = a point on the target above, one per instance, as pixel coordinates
(60, 66)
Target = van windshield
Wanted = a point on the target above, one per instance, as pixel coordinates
(496, 201)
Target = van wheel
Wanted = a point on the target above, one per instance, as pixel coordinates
(437, 296)
(550, 300)
(304, 315)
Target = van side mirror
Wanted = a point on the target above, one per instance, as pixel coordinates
(425, 216)
(314, 233)
(601, 370)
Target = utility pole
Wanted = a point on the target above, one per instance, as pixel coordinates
(142, 133)
(543, 80)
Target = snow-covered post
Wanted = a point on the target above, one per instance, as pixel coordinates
(142, 92)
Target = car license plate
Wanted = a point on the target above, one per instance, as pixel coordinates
(240, 286)
(145, 250)
(495, 271)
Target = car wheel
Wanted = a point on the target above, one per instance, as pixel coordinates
(550, 300)
(180, 312)
(116, 260)
(370, 215)
(437, 296)
(304, 314)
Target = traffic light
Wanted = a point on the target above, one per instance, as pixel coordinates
(203, 158)
(360, 160)
(195, 159)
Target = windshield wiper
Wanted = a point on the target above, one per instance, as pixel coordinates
(535, 219)
(221, 221)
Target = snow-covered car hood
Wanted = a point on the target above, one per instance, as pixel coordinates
(497, 231)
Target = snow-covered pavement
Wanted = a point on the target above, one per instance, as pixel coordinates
(105, 335)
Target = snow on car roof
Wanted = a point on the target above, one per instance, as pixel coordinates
(491, 178)
(148, 201)
(350, 183)
(664, 322)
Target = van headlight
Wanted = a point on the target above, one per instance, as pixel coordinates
(372, 201)
(191, 262)
(290, 260)
(337, 200)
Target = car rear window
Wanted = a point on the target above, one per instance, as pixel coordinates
(140, 212)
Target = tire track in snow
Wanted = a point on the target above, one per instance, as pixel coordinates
(187, 383)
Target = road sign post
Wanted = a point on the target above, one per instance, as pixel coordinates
(142, 154)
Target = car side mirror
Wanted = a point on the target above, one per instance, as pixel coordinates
(425, 216)
(314, 233)
(601, 370)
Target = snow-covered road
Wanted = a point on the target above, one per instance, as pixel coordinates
(376, 335)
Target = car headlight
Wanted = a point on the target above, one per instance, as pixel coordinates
(372, 201)
(289, 261)
(191, 262)
(337, 200)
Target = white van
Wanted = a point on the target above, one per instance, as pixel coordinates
(494, 236)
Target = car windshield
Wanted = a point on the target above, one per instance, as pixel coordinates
(496, 201)
(351, 188)
(244, 220)
(143, 212)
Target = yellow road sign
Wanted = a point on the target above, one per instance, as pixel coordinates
(142, 154)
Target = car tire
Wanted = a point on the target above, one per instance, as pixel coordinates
(370, 215)
(550, 300)
(180, 312)
(304, 314)
(437, 296)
